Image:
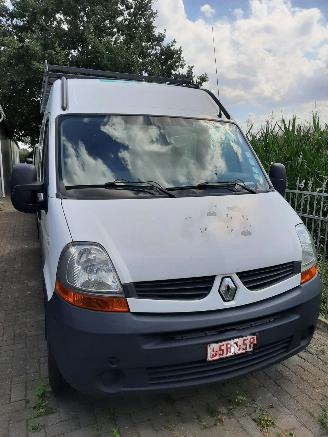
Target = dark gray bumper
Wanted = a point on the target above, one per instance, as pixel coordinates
(101, 353)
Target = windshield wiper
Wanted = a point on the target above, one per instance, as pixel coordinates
(228, 184)
(143, 185)
(221, 184)
(125, 185)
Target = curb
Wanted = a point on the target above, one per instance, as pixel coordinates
(323, 324)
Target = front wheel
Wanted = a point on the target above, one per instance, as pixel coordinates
(56, 380)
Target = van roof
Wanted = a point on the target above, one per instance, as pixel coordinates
(94, 91)
(92, 96)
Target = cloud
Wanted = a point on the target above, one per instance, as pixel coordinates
(83, 168)
(207, 10)
(270, 55)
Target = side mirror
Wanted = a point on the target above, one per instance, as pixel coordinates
(278, 177)
(25, 189)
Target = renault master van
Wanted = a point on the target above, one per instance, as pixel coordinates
(169, 257)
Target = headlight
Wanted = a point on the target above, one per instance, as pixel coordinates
(87, 278)
(309, 257)
(87, 267)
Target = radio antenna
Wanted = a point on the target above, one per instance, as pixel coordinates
(216, 64)
(216, 70)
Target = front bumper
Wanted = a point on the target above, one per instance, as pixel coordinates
(105, 353)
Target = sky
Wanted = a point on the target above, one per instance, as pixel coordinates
(272, 54)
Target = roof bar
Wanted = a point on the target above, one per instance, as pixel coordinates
(74, 71)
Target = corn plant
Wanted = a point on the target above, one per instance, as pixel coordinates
(302, 147)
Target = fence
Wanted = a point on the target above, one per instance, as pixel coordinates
(312, 206)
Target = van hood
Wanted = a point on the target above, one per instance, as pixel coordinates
(161, 238)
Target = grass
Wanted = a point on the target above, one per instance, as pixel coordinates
(115, 432)
(264, 422)
(324, 418)
(240, 400)
(109, 426)
(302, 147)
(41, 404)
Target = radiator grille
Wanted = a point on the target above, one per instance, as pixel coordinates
(179, 289)
(200, 370)
(265, 277)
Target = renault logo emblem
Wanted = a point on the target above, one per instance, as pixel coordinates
(227, 289)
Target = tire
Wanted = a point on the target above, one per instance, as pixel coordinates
(57, 382)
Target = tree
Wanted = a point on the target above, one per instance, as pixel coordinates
(116, 35)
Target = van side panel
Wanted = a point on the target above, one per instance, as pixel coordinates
(54, 235)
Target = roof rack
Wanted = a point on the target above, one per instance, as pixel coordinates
(54, 72)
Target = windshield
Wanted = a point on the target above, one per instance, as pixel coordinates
(171, 151)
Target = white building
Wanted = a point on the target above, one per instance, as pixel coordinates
(9, 155)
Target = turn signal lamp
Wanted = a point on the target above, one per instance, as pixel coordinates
(308, 274)
(96, 303)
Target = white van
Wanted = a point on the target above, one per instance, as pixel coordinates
(169, 257)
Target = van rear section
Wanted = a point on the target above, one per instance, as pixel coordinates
(170, 257)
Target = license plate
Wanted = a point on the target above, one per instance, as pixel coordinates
(229, 348)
